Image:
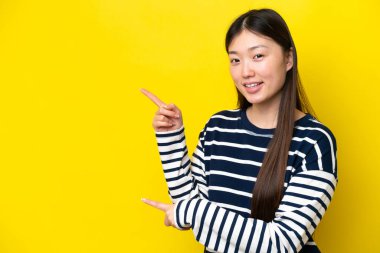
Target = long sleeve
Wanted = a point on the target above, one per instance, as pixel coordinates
(304, 203)
(185, 178)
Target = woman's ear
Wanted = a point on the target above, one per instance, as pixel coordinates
(289, 59)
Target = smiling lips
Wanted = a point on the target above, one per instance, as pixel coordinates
(252, 85)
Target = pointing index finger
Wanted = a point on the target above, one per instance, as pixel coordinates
(153, 98)
(156, 204)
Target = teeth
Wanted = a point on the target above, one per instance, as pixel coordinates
(251, 85)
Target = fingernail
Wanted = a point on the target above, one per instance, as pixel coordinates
(143, 199)
(177, 116)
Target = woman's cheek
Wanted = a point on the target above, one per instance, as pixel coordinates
(234, 75)
(263, 69)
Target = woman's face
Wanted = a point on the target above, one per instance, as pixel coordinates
(258, 67)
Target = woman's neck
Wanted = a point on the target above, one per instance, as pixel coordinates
(266, 118)
(263, 117)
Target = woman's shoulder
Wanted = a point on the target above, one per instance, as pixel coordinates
(317, 144)
(232, 113)
(224, 118)
(314, 131)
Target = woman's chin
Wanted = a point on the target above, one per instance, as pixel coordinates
(254, 101)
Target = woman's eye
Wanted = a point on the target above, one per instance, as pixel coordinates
(234, 60)
(258, 56)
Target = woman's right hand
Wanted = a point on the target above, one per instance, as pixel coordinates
(168, 116)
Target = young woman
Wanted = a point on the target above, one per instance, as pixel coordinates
(263, 175)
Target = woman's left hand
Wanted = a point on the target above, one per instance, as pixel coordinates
(167, 208)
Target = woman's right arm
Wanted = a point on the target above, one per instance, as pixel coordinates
(185, 178)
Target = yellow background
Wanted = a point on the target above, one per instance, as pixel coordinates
(77, 150)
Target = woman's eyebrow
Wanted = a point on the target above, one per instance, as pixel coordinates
(249, 49)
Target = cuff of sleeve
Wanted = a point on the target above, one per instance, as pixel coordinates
(181, 209)
(169, 133)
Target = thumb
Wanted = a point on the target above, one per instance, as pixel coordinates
(167, 222)
(174, 108)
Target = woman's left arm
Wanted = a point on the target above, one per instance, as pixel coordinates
(302, 207)
(304, 203)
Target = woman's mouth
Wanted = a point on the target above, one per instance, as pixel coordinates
(252, 85)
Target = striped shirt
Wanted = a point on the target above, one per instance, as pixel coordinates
(212, 192)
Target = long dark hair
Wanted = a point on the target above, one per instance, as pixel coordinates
(268, 190)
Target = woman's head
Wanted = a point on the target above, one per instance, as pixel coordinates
(265, 22)
(264, 68)
(257, 42)
(258, 67)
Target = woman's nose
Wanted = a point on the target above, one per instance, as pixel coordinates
(247, 69)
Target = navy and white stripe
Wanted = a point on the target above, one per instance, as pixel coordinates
(213, 191)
